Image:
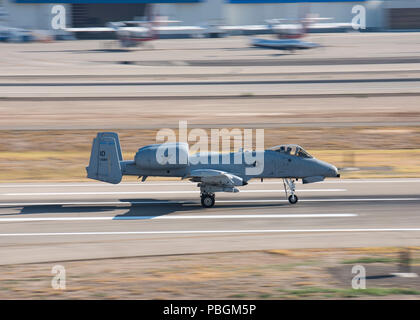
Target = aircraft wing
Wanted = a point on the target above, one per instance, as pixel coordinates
(215, 177)
(179, 28)
(108, 29)
(142, 22)
(251, 27)
(277, 25)
(134, 29)
(330, 25)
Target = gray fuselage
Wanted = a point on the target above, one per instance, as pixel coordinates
(263, 164)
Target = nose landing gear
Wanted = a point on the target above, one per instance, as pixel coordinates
(293, 199)
(289, 187)
(207, 200)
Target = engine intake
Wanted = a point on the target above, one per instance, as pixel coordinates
(163, 156)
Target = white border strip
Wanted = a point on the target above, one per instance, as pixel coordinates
(187, 183)
(149, 192)
(182, 217)
(204, 232)
(165, 202)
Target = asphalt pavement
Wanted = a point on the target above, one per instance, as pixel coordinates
(42, 222)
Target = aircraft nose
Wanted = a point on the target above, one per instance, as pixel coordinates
(332, 171)
(328, 170)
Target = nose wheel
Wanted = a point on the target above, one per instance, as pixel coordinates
(289, 187)
(207, 200)
(293, 199)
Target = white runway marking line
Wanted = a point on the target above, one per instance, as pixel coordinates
(182, 217)
(96, 233)
(150, 192)
(129, 203)
(325, 200)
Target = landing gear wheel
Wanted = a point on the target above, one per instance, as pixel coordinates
(289, 187)
(207, 201)
(293, 199)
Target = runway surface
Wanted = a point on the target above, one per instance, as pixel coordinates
(218, 88)
(347, 64)
(70, 221)
(355, 79)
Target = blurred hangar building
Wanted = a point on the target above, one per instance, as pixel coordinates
(38, 14)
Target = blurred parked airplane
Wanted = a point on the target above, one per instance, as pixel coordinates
(289, 32)
(134, 33)
(10, 34)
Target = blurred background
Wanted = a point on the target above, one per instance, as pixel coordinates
(350, 96)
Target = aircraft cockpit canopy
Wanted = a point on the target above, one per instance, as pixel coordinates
(292, 149)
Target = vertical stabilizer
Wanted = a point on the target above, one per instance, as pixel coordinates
(105, 158)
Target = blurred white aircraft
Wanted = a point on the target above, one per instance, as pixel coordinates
(293, 29)
(289, 34)
(134, 33)
(9, 34)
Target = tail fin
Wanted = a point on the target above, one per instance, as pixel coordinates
(105, 158)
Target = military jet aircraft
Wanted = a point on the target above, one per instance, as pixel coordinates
(289, 35)
(135, 33)
(284, 44)
(289, 162)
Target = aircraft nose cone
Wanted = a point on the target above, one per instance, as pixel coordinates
(327, 170)
(332, 171)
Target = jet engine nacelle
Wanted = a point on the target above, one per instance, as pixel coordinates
(163, 156)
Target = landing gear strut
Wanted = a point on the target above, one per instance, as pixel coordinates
(289, 187)
(207, 200)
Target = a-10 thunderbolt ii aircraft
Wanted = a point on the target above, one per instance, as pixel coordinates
(289, 162)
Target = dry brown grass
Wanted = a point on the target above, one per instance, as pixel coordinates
(254, 274)
(70, 165)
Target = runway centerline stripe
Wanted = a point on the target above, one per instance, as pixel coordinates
(323, 200)
(206, 83)
(129, 203)
(97, 233)
(186, 217)
(152, 192)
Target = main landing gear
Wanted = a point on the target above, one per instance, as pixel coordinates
(208, 197)
(289, 187)
(207, 200)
